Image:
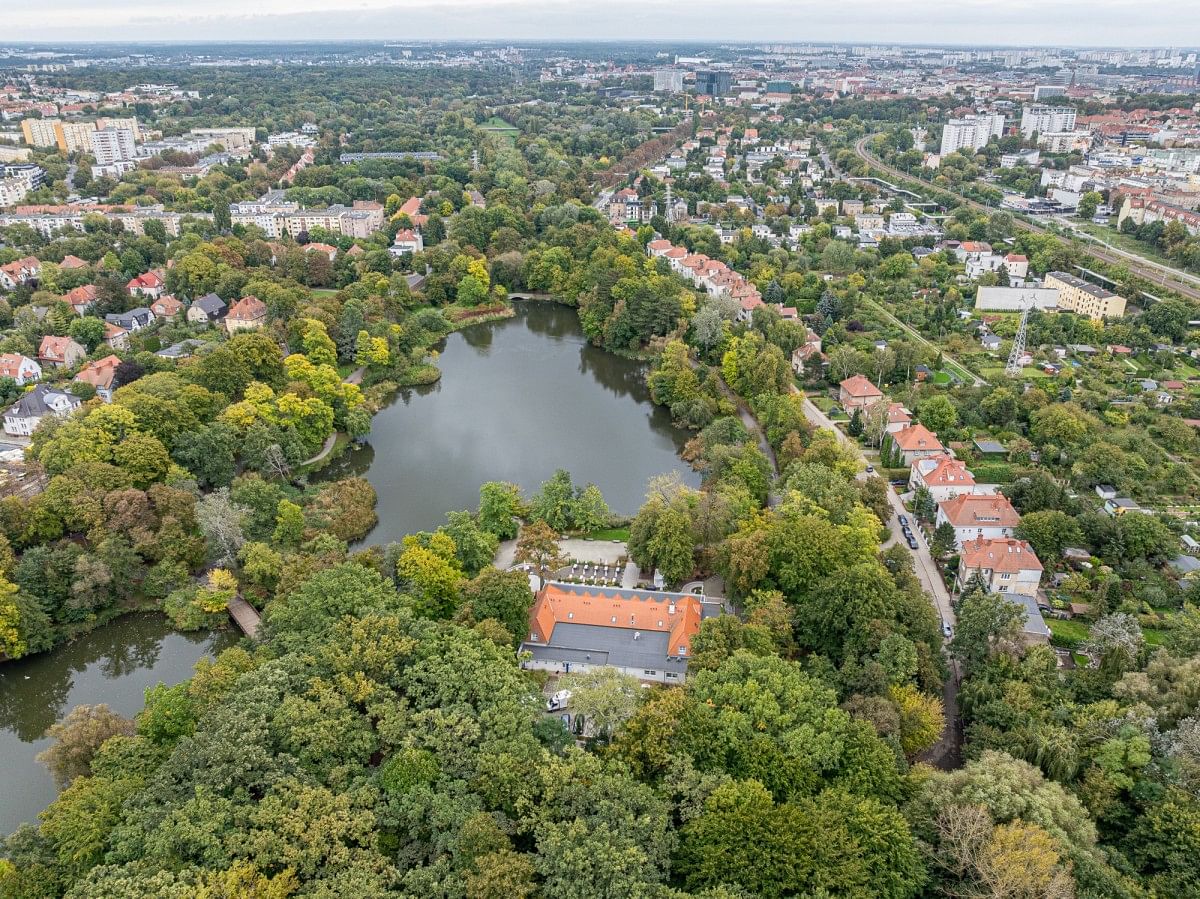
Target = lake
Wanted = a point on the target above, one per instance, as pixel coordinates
(113, 664)
(517, 399)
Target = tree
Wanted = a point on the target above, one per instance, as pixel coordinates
(554, 503)
(938, 414)
(499, 508)
(77, 738)
(603, 696)
(431, 572)
(943, 540)
(1088, 204)
(88, 331)
(475, 548)
(590, 511)
(220, 521)
(289, 524)
(500, 595)
(318, 345)
(537, 545)
(921, 718)
(855, 428)
(1049, 532)
(986, 622)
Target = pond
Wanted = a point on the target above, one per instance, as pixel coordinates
(517, 399)
(113, 664)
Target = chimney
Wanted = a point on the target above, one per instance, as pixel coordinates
(671, 608)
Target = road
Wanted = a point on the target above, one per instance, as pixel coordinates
(947, 752)
(1138, 265)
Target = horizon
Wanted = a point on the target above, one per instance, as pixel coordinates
(1115, 24)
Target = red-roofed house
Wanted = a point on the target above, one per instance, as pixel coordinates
(72, 262)
(944, 477)
(412, 208)
(148, 284)
(81, 299)
(917, 442)
(1017, 265)
(247, 314)
(407, 242)
(645, 633)
(658, 247)
(101, 374)
(20, 368)
(19, 271)
(898, 418)
(990, 517)
(60, 352)
(1006, 565)
(857, 392)
(327, 250)
(166, 307)
(116, 336)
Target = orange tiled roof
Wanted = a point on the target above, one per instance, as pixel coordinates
(248, 309)
(1004, 554)
(917, 437)
(968, 510)
(859, 386)
(643, 610)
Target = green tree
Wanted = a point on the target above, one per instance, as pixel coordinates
(499, 508)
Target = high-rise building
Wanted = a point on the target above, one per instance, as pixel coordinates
(229, 138)
(73, 137)
(668, 81)
(1046, 118)
(712, 83)
(39, 132)
(112, 145)
(127, 122)
(973, 132)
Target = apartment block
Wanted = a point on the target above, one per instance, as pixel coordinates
(39, 132)
(973, 132)
(1046, 118)
(1085, 298)
(112, 145)
(74, 137)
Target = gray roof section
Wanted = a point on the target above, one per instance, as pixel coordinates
(210, 304)
(33, 403)
(591, 644)
(1034, 623)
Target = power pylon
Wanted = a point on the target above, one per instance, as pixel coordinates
(1013, 368)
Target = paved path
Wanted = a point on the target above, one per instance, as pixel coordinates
(245, 616)
(947, 360)
(572, 547)
(355, 377)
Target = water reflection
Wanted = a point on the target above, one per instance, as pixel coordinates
(517, 399)
(113, 664)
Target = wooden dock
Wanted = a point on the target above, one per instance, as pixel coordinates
(245, 616)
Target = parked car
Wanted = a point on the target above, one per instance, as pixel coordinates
(912, 542)
(559, 700)
(903, 519)
(870, 469)
(947, 631)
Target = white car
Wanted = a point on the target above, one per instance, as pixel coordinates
(558, 701)
(947, 631)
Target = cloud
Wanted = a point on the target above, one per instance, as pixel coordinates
(1064, 22)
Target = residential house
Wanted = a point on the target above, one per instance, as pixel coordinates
(101, 374)
(971, 516)
(182, 350)
(166, 308)
(206, 310)
(1006, 565)
(247, 314)
(806, 352)
(898, 418)
(990, 342)
(23, 417)
(1120, 505)
(133, 320)
(19, 272)
(115, 336)
(412, 209)
(20, 368)
(327, 250)
(81, 299)
(644, 633)
(150, 284)
(857, 392)
(70, 262)
(944, 477)
(60, 352)
(917, 442)
(407, 242)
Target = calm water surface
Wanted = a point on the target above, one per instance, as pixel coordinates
(114, 665)
(517, 399)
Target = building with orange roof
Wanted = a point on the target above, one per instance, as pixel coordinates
(20, 368)
(971, 516)
(945, 478)
(116, 336)
(101, 374)
(247, 314)
(60, 352)
(917, 442)
(72, 262)
(644, 633)
(857, 392)
(81, 299)
(1006, 565)
(19, 271)
(148, 284)
(898, 418)
(166, 307)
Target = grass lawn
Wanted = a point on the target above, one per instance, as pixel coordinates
(823, 402)
(941, 379)
(608, 534)
(1154, 636)
(1068, 632)
(322, 291)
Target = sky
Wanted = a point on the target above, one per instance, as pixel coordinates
(1119, 23)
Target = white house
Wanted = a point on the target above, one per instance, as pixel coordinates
(407, 242)
(945, 478)
(23, 416)
(1006, 565)
(990, 517)
(20, 368)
